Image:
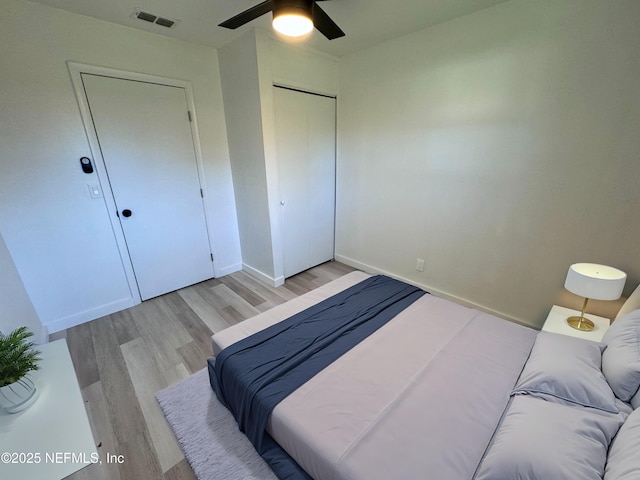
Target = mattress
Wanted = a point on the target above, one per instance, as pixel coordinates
(419, 398)
(241, 330)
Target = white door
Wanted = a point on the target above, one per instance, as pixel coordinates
(306, 144)
(144, 134)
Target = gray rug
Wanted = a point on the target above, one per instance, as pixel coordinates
(208, 433)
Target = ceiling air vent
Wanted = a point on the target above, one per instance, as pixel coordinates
(151, 18)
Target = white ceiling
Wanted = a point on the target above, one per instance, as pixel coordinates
(365, 22)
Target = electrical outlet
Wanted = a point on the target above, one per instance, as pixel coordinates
(420, 264)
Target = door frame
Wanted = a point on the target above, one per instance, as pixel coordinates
(76, 70)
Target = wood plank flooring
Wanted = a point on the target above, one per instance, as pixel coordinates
(123, 359)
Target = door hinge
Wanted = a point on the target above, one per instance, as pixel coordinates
(189, 115)
(211, 256)
(201, 194)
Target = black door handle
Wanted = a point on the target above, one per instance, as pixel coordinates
(126, 212)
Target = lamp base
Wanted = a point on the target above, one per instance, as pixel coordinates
(581, 323)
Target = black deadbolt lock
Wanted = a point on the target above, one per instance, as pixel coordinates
(126, 212)
(85, 162)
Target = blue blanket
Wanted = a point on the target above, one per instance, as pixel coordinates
(253, 375)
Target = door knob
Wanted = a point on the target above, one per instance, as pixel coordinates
(126, 212)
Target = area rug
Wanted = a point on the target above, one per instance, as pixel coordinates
(208, 433)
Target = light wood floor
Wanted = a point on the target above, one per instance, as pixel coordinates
(123, 359)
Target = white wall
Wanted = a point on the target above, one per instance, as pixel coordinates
(500, 147)
(239, 74)
(60, 239)
(299, 67)
(16, 309)
(249, 67)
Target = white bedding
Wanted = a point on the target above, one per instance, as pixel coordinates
(422, 395)
(241, 330)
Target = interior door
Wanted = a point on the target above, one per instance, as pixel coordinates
(306, 144)
(144, 134)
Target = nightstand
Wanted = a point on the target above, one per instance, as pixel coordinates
(557, 323)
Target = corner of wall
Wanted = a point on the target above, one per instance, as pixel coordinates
(274, 281)
(241, 91)
(16, 309)
(265, 85)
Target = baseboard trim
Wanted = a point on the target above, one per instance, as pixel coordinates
(88, 315)
(263, 277)
(434, 291)
(42, 336)
(221, 272)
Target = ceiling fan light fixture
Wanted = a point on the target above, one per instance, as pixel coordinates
(292, 17)
(292, 25)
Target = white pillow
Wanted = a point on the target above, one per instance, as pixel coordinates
(621, 359)
(624, 462)
(567, 369)
(540, 440)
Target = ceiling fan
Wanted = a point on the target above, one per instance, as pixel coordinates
(304, 15)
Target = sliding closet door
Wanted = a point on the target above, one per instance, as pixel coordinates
(306, 143)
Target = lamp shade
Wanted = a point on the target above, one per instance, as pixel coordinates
(598, 282)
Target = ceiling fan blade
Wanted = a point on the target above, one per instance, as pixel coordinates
(248, 15)
(324, 24)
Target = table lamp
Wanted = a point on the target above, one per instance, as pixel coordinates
(598, 282)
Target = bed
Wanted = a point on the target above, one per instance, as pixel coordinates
(437, 391)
